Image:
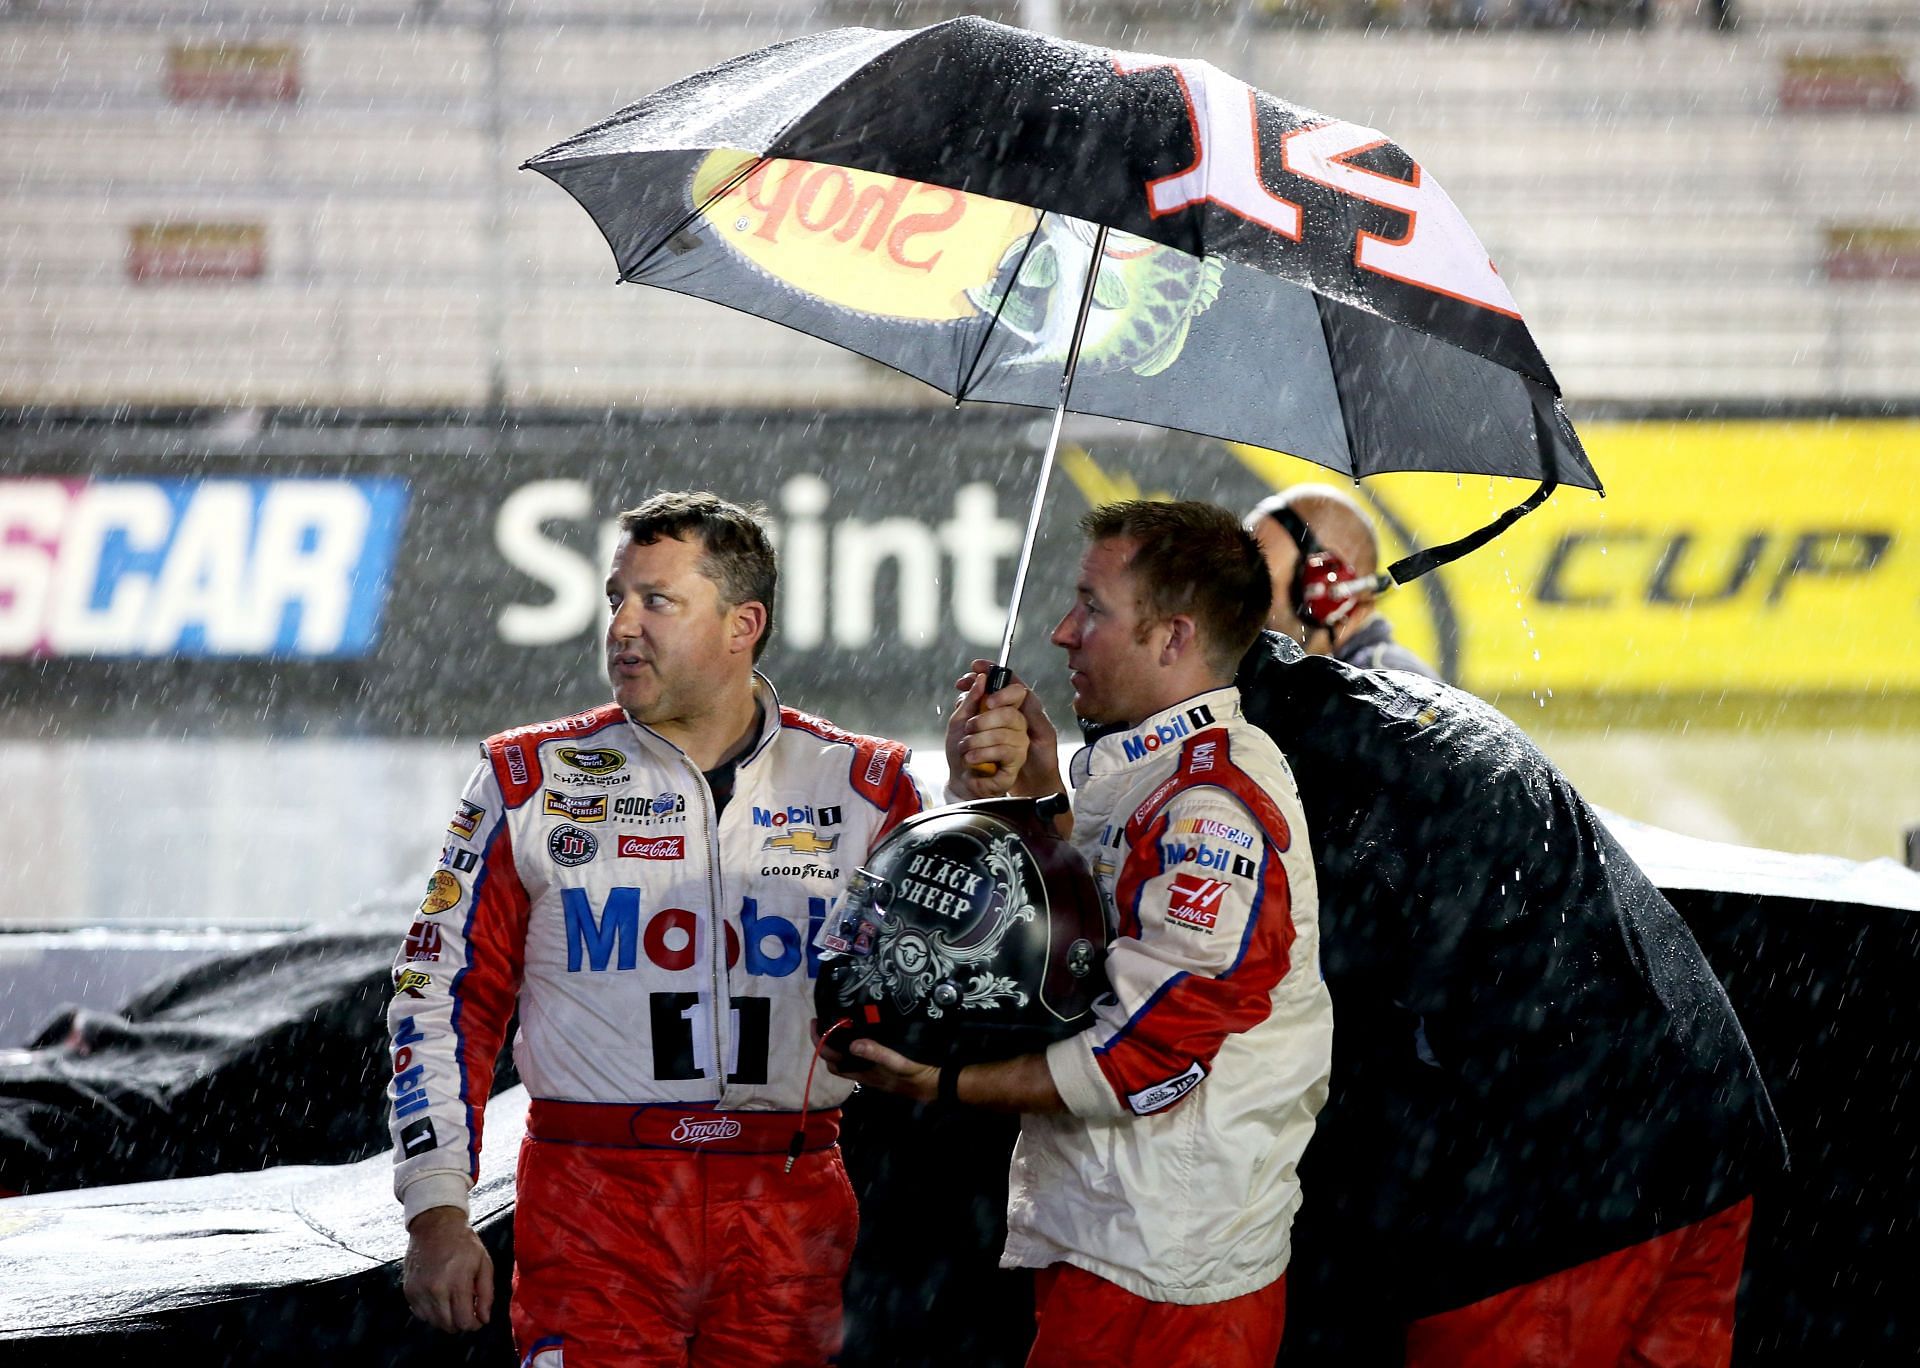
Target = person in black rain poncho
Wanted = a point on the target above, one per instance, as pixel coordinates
(1546, 1122)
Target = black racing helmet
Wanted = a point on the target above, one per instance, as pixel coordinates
(972, 933)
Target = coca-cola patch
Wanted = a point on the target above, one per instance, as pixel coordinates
(652, 848)
(1195, 901)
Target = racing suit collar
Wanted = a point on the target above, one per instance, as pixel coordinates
(768, 702)
(1168, 728)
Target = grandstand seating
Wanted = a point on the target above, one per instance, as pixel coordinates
(1661, 219)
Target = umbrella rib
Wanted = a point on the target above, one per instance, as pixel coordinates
(966, 381)
(759, 161)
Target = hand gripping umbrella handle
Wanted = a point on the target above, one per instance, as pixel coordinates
(998, 677)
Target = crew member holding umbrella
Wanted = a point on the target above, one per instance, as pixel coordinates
(1153, 1184)
(1546, 1126)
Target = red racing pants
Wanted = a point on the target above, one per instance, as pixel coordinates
(628, 1256)
(1084, 1321)
(1667, 1303)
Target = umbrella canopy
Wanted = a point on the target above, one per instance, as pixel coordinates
(935, 199)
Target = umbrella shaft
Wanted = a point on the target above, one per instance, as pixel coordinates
(1053, 444)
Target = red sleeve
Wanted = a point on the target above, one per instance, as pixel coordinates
(486, 989)
(1206, 928)
(1182, 1022)
(903, 802)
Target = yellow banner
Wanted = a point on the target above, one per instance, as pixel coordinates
(1777, 557)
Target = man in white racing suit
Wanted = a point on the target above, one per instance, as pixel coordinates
(1154, 1183)
(643, 881)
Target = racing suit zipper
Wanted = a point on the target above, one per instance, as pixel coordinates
(717, 936)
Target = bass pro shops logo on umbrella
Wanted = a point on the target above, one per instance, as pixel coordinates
(872, 244)
(894, 248)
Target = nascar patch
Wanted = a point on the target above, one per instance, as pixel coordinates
(603, 760)
(1213, 826)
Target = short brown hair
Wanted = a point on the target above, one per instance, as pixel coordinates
(1193, 558)
(735, 552)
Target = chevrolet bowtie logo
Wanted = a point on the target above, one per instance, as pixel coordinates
(802, 841)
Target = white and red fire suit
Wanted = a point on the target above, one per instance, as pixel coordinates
(1190, 1101)
(662, 962)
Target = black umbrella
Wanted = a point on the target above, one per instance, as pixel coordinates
(1018, 218)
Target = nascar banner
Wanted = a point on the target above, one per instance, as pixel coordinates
(390, 580)
(129, 566)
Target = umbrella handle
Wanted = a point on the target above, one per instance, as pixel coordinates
(998, 677)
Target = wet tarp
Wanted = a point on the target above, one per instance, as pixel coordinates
(248, 1060)
(289, 1266)
(1825, 989)
(251, 1059)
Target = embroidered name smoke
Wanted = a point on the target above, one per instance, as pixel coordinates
(1163, 1095)
(696, 1132)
